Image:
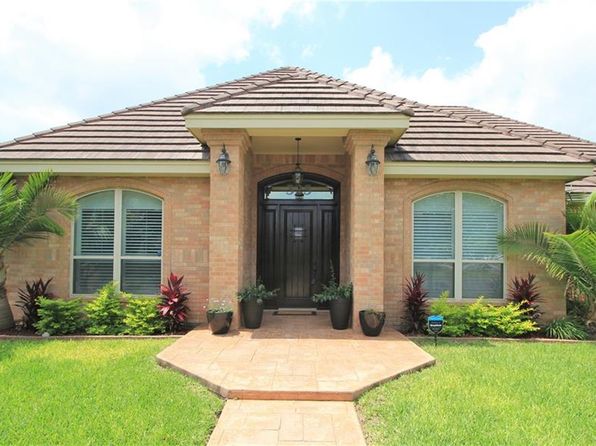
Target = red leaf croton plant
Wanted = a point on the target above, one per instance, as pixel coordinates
(173, 298)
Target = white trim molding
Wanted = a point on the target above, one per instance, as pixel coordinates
(426, 169)
(292, 124)
(195, 168)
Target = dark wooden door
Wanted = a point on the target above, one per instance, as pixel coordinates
(298, 242)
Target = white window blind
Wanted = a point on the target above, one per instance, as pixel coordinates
(133, 258)
(434, 227)
(141, 243)
(482, 223)
(141, 227)
(456, 244)
(95, 225)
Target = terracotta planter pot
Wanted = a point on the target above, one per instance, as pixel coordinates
(219, 323)
(371, 323)
(252, 313)
(339, 311)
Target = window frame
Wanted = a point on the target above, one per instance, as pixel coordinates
(117, 257)
(459, 261)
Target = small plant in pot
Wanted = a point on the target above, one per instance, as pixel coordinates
(219, 316)
(252, 299)
(371, 321)
(339, 297)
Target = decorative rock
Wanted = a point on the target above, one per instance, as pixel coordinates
(45, 335)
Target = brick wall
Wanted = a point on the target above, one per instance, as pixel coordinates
(525, 200)
(185, 233)
(186, 228)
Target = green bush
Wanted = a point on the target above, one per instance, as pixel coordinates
(105, 313)
(566, 328)
(60, 316)
(456, 323)
(481, 319)
(142, 317)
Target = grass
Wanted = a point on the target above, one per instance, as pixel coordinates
(489, 393)
(98, 392)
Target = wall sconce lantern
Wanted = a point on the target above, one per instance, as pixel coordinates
(223, 161)
(372, 162)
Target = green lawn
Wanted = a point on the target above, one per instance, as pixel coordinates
(489, 393)
(98, 393)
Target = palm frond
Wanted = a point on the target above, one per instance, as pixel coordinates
(526, 240)
(573, 257)
(588, 213)
(27, 213)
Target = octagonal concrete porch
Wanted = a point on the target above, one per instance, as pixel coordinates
(294, 357)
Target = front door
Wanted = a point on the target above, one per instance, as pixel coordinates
(298, 244)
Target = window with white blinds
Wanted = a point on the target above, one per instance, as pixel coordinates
(118, 236)
(455, 244)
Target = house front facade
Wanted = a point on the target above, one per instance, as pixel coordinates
(290, 176)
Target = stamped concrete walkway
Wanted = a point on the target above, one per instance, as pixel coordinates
(294, 357)
(288, 373)
(258, 422)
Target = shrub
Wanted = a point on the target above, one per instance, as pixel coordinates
(142, 317)
(416, 303)
(28, 300)
(60, 316)
(509, 320)
(172, 307)
(524, 291)
(456, 323)
(481, 319)
(105, 313)
(566, 328)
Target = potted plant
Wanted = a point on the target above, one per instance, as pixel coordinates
(252, 300)
(339, 297)
(371, 321)
(219, 316)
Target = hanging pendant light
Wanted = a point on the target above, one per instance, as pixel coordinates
(297, 186)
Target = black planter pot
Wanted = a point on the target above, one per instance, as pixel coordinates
(252, 313)
(371, 323)
(339, 310)
(219, 323)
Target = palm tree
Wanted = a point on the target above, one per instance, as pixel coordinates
(26, 214)
(570, 257)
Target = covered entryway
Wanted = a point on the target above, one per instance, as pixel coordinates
(298, 237)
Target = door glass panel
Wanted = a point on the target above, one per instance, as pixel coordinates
(285, 190)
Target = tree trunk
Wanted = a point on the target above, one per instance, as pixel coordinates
(6, 319)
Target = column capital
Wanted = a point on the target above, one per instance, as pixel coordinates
(216, 138)
(362, 137)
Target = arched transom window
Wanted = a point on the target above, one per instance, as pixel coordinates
(118, 236)
(455, 244)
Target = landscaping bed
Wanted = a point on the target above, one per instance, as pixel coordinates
(488, 392)
(90, 392)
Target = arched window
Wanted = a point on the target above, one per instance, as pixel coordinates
(455, 244)
(118, 236)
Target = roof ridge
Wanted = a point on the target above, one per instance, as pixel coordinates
(225, 96)
(509, 132)
(366, 93)
(128, 109)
